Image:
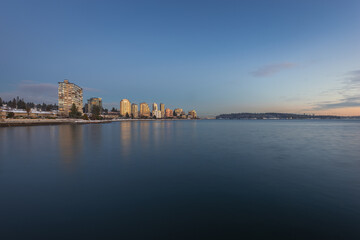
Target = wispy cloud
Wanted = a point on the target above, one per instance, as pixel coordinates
(91, 89)
(349, 93)
(33, 92)
(271, 69)
(352, 79)
(342, 103)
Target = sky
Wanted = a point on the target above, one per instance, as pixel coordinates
(212, 56)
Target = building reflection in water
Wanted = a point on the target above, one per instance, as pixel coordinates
(144, 134)
(125, 138)
(71, 145)
(157, 129)
(94, 137)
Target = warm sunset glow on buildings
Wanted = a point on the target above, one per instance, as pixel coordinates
(134, 110)
(69, 94)
(144, 110)
(168, 113)
(178, 112)
(192, 114)
(125, 107)
(94, 102)
(162, 109)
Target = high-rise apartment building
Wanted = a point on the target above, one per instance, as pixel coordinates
(94, 102)
(125, 107)
(155, 111)
(192, 114)
(168, 113)
(134, 110)
(157, 114)
(69, 94)
(155, 107)
(162, 110)
(144, 110)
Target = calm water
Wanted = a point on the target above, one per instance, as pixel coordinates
(208, 179)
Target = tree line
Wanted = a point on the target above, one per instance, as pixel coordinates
(20, 103)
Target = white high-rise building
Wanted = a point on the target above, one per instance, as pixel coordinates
(157, 114)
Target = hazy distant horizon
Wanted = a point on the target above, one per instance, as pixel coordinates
(212, 56)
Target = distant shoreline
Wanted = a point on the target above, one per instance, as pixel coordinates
(42, 122)
(279, 116)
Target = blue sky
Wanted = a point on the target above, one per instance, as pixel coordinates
(212, 56)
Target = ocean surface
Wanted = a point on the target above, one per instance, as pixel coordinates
(205, 179)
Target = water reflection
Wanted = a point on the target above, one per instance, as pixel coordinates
(144, 134)
(94, 137)
(71, 145)
(125, 138)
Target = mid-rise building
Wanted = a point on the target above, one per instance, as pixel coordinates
(162, 110)
(168, 113)
(144, 110)
(125, 108)
(69, 94)
(94, 102)
(156, 114)
(155, 111)
(134, 110)
(178, 112)
(192, 114)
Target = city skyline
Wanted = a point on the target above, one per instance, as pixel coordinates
(215, 57)
(70, 94)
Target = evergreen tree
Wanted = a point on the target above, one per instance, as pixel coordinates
(21, 104)
(30, 105)
(95, 111)
(74, 113)
(12, 103)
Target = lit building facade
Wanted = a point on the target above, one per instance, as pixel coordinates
(162, 110)
(155, 107)
(144, 110)
(192, 114)
(178, 112)
(155, 111)
(125, 107)
(134, 110)
(156, 114)
(168, 113)
(94, 102)
(69, 94)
